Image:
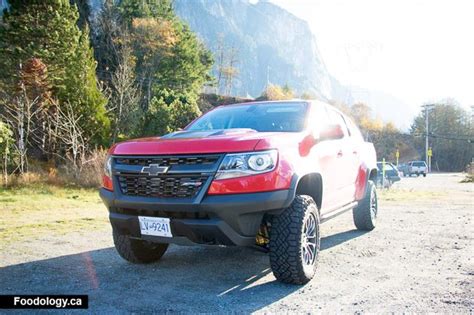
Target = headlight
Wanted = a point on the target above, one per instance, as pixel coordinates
(245, 164)
(108, 166)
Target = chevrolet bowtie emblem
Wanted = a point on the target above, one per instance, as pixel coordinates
(154, 169)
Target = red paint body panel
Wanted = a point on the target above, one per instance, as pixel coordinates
(154, 146)
(228, 142)
(361, 182)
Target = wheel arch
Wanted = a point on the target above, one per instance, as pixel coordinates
(312, 185)
(365, 174)
(372, 174)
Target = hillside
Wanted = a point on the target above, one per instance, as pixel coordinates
(273, 45)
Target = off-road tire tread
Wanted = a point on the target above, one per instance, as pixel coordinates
(285, 238)
(361, 213)
(138, 251)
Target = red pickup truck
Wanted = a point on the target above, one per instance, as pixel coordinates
(260, 174)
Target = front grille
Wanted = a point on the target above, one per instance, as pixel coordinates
(168, 161)
(162, 186)
(184, 175)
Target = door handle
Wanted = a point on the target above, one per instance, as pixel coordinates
(339, 154)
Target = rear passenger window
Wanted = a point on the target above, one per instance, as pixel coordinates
(337, 119)
(354, 130)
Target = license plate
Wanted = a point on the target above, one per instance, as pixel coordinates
(155, 226)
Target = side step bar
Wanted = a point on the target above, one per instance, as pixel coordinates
(334, 213)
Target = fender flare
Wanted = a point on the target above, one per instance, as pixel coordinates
(316, 194)
(365, 174)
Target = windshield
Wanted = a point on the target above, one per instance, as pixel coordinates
(273, 117)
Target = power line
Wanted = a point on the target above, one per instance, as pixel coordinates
(443, 136)
(451, 138)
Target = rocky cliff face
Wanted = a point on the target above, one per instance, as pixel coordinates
(273, 45)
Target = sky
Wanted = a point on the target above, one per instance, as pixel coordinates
(417, 50)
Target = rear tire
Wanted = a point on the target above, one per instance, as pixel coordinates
(295, 241)
(138, 251)
(365, 214)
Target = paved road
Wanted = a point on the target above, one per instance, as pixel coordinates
(419, 259)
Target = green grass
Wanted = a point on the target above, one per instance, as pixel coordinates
(40, 210)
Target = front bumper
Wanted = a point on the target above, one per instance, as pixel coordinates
(218, 219)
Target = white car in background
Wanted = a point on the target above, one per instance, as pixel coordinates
(417, 168)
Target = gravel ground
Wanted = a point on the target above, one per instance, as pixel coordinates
(418, 259)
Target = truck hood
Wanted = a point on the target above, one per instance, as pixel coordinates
(196, 142)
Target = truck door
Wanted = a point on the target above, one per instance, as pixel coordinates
(324, 154)
(345, 173)
(356, 145)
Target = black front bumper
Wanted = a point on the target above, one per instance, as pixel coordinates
(225, 219)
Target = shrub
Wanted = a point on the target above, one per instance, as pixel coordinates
(87, 175)
(469, 174)
(169, 112)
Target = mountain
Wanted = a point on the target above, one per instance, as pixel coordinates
(273, 46)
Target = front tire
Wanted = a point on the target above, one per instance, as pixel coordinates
(138, 251)
(295, 241)
(365, 214)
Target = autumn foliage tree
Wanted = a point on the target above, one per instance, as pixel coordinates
(275, 92)
(153, 39)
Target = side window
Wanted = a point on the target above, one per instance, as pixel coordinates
(354, 130)
(337, 119)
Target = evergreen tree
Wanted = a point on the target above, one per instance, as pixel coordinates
(47, 30)
(169, 111)
(157, 120)
(170, 60)
(131, 9)
(186, 69)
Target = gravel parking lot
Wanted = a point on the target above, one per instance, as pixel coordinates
(418, 259)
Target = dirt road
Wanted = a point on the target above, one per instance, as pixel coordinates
(418, 259)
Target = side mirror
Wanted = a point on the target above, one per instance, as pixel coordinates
(307, 143)
(332, 132)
